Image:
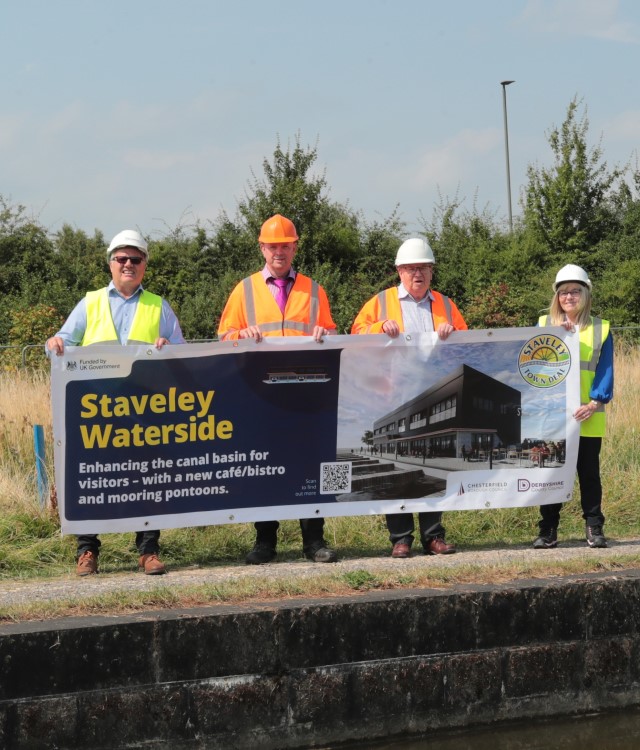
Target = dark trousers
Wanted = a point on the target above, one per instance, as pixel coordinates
(401, 526)
(312, 532)
(146, 542)
(588, 469)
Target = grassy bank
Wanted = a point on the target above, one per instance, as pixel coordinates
(31, 544)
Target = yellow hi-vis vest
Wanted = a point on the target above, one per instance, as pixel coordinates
(100, 329)
(591, 339)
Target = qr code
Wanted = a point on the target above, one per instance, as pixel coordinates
(335, 477)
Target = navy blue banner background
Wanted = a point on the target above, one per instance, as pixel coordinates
(282, 404)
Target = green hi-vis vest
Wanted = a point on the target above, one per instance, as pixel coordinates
(100, 328)
(591, 339)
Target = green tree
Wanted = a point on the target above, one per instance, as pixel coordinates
(328, 231)
(617, 288)
(336, 247)
(569, 205)
(26, 252)
(472, 253)
(500, 306)
(80, 265)
(32, 324)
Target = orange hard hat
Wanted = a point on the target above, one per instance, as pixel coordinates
(278, 229)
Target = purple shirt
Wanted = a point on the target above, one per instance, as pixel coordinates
(268, 280)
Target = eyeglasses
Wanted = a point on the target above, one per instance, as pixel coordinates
(570, 293)
(414, 269)
(122, 259)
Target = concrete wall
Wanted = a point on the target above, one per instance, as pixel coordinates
(303, 673)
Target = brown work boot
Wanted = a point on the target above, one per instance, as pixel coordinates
(438, 546)
(151, 564)
(87, 564)
(400, 549)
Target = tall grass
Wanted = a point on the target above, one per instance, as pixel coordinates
(31, 544)
(24, 402)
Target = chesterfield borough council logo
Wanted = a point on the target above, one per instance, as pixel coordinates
(544, 361)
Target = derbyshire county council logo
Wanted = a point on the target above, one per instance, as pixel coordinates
(544, 361)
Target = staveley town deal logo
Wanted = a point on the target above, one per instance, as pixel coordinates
(544, 361)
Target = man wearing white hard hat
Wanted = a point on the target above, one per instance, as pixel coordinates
(413, 306)
(120, 313)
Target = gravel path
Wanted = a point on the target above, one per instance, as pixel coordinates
(19, 592)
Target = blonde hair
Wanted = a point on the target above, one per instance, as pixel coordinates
(556, 313)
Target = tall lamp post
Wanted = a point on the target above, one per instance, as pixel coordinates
(504, 85)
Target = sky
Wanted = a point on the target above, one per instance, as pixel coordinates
(155, 114)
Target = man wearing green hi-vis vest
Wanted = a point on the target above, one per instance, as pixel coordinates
(120, 313)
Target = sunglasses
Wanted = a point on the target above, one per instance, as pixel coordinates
(122, 259)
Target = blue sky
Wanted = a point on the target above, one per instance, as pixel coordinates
(153, 113)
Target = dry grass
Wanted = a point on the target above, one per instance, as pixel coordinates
(244, 589)
(31, 545)
(621, 448)
(24, 402)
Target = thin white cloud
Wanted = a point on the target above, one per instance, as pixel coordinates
(68, 119)
(625, 126)
(10, 129)
(599, 19)
(448, 164)
(159, 160)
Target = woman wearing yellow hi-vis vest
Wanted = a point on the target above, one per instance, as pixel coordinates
(571, 308)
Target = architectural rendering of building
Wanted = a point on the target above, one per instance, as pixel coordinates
(464, 414)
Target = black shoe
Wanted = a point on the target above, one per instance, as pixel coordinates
(595, 537)
(320, 553)
(260, 554)
(546, 540)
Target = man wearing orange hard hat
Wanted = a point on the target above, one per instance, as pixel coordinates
(278, 301)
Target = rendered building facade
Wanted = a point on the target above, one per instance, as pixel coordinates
(463, 414)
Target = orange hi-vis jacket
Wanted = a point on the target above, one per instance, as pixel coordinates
(251, 303)
(386, 306)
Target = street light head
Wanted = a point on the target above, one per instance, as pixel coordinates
(506, 83)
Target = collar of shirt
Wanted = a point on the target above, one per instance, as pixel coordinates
(112, 291)
(404, 294)
(268, 280)
(266, 275)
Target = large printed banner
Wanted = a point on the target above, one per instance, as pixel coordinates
(289, 428)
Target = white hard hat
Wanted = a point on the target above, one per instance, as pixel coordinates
(128, 238)
(571, 273)
(414, 250)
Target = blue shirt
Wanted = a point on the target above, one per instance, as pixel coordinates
(416, 314)
(602, 386)
(123, 311)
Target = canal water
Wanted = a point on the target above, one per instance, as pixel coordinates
(612, 731)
